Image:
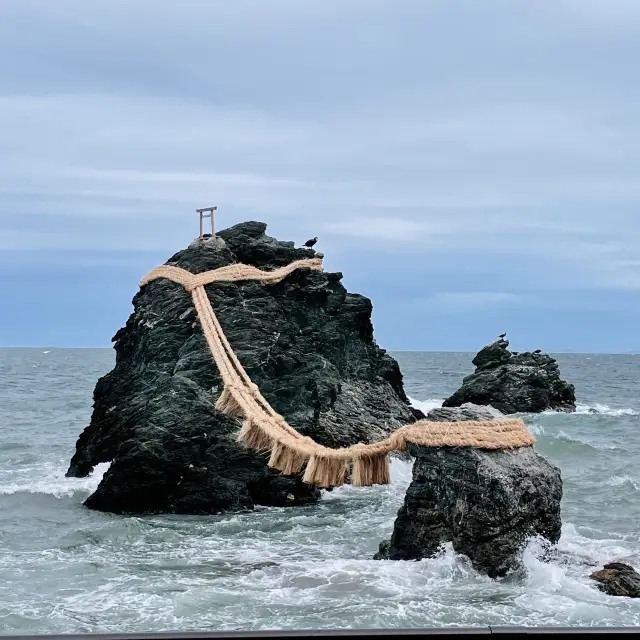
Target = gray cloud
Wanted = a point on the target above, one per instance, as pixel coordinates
(496, 129)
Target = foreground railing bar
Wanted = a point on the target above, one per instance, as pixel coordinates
(319, 634)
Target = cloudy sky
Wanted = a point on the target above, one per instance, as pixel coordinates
(473, 167)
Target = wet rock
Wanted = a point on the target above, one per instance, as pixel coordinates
(527, 382)
(263, 565)
(467, 411)
(618, 579)
(307, 342)
(486, 503)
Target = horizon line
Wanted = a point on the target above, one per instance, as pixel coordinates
(560, 351)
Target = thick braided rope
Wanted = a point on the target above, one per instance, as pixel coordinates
(266, 430)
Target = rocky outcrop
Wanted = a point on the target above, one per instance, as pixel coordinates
(618, 579)
(487, 503)
(307, 343)
(515, 383)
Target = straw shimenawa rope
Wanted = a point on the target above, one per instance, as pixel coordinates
(264, 430)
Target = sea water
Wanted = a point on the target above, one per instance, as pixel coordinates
(66, 569)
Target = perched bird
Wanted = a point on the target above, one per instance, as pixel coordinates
(502, 336)
(538, 351)
(310, 243)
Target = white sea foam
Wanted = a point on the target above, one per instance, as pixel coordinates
(536, 429)
(581, 438)
(582, 551)
(604, 410)
(624, 480)
(51, 480)
(174, 573)
(581, 409)
(323, 575)
(426, 405)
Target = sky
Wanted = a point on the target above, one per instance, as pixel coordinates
(472, 167)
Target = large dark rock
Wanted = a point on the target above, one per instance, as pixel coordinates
(514, 383)
(308, 344)
(618, 579)
(487, 503)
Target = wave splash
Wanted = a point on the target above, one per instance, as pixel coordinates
(581, 409)
(426, 405)
(301, 561)
(603, 409)
(51, 480)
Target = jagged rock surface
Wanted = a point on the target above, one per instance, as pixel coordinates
(308, 344)
(618, 579)
(487, 503)
(515, 383)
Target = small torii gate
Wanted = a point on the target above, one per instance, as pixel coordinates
(207, 212)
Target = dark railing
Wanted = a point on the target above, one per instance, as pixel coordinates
(449, 632)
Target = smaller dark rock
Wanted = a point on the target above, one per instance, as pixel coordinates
(514, 383)
(618, 579)
(487, 503)
(263, 565)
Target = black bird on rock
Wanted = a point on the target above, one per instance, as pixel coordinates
(310, 243)
(538, 351)
(502, 336)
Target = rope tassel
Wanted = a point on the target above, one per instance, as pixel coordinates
(368, 470)
(286, 460)
(325, 471)
(293, 463)
(361, 472)
(252, 436)
(381, 472)
(228, 405)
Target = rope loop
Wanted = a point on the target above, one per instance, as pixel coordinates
(255, 389)
(190, 286)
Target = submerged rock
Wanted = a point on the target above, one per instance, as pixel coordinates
(307, 342)
(487, 503)
(618, 579)
(515, 383)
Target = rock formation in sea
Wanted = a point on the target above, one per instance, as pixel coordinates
(526, 382)
(618, 579)
(487, 503)
(306, 342)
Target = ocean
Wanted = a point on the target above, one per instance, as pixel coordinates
(65, 569)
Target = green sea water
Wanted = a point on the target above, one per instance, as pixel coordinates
(65, 569)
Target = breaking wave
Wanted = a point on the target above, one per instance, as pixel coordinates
(581, 409)
(624, 481)
(603, 409)
(51, 480)
(426, 405)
